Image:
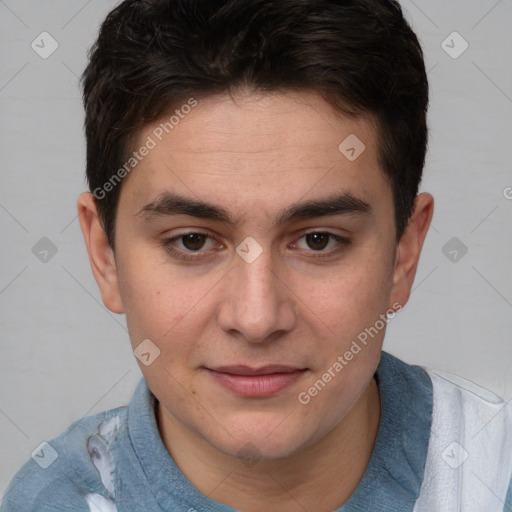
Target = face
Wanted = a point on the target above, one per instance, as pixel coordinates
(253, 253)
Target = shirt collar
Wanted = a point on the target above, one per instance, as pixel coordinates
(393, 478)
(391, 482)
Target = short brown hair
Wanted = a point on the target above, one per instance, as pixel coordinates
(360, 55)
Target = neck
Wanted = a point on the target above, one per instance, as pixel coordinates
(321, 477)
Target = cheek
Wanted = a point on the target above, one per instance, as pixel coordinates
(145, 292)
(165, 304)
(349, 298)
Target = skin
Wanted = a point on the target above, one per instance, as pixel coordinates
(256, 155)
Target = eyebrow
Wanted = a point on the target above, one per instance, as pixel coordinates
(169, 204)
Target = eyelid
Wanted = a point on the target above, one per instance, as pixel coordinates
(168, 242)
(342, 241)
(200, 254)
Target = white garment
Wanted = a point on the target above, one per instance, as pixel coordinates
(97, 446)
(98, 503)
(469, 459)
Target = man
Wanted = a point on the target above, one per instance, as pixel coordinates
(254, 212)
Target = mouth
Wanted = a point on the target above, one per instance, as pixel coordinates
(260, 382)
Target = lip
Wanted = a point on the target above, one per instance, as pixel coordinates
(256, 382)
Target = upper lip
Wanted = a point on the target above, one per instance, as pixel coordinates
(262, 370)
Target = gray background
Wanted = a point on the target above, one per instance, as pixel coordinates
(65, 356)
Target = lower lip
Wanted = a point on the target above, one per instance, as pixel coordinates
(257, 385)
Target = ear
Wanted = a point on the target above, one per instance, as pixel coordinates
(409, 250)
(101, 255)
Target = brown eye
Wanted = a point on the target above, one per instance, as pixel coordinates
(194, 241)
(192, 246)
(317, 241)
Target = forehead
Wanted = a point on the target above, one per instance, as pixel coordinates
(250, 148)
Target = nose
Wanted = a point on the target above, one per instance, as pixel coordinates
(256, 303)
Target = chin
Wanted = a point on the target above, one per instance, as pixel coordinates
(255, 440)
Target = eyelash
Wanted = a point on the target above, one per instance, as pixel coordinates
(196, 255)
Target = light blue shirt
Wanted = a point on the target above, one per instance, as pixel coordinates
(119, 458)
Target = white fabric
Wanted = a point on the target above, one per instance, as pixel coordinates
(469, 460)
(98, 503)
(97, 446)
(102, 458)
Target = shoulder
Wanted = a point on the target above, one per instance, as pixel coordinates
(65, 472)
(470, 402)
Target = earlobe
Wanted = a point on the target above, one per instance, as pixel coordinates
(409, 249)
(101, 255)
